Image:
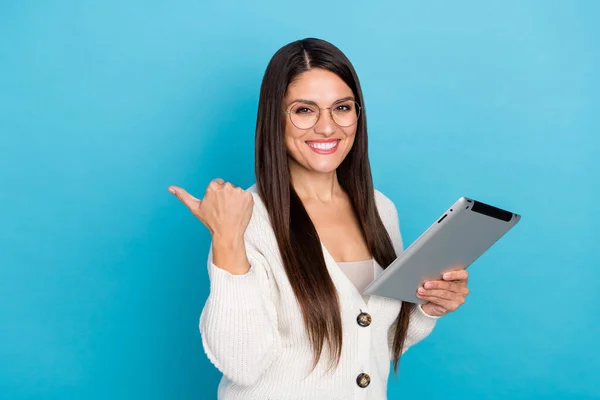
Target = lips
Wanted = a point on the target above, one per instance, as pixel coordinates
(323, 146)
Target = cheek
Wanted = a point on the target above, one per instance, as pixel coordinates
(350, 138)
(293, 138)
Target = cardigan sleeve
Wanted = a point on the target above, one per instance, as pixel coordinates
(419, 327)
(420, 323)
(238, 323)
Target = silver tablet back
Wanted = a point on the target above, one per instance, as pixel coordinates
(458, 238)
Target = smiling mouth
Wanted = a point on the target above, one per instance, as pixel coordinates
(323, 146)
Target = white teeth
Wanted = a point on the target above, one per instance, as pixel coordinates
(323, 146)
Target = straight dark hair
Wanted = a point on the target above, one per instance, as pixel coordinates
(296, 235)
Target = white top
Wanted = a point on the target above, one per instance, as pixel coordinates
(360, 273)
(253, 332)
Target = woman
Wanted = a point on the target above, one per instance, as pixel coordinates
(285, 318)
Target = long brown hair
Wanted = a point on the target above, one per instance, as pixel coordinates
(296, 235)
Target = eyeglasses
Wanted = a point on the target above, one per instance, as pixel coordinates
(305, 115)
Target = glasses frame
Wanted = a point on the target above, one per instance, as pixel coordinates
(358, 113)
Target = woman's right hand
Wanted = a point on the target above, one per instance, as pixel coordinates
(225, 210)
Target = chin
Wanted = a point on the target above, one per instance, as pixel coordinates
(324, 168)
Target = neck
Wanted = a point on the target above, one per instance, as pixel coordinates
(310, 185)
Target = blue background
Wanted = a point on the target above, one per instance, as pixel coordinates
(105, 104)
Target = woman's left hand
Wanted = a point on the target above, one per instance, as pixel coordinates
(446, 295)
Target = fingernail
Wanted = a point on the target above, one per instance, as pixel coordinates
(421, 290)
(172, 190)
(447, 276)
(428, 285)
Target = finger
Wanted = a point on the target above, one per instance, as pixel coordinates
(447, 305)
(440, 294)
(190, 201)
(454, 286)
(216, 183)
(458, 275)
(248, 196)
(438, 285)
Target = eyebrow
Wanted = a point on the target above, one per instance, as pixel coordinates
(313, 102)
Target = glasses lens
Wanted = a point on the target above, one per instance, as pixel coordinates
(345, 113)
(304, 115)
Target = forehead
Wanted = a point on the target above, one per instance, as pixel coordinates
(318, 85)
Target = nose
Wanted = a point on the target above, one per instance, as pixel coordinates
(325, 125)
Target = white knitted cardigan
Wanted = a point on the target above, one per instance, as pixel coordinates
(252, 328)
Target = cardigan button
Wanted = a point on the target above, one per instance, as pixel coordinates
(363, 319)
(363, 380)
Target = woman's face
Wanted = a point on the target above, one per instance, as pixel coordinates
(322, 147)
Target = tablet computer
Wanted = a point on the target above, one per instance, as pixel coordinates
(461, 235)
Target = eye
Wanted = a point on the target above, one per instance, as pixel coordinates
(303, 109)
(344, 107)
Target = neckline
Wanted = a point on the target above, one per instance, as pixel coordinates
(370, 260)
(344, 277)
